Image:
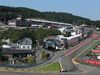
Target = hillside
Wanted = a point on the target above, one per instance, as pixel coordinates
(12, 12)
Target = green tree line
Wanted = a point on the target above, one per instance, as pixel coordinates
(8, 13)
(39, 34)
(13, 12)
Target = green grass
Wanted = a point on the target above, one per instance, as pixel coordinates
(54, 67)
(90, 48)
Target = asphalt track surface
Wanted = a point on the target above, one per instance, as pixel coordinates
(97, 72)
(94, 72)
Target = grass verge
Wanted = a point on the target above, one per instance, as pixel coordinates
(53, 67)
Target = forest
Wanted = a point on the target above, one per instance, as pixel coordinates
(7, 13)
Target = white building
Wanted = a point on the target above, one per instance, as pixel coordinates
(25, 44)
(48, 23)
(6, 46)
(7, 41)
(66, 29)
(12, 23)
(72, 40)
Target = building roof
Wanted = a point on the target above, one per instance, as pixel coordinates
(49, 37)
(75, 36)
(26, 41)
(46, 21)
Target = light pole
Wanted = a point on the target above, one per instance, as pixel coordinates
(35, 44)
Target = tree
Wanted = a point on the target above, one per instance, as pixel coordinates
(44, 55)
(53, 32)
(30, 60)
(13, 12)
(14, 35)
(40, 33)
(43, 33)
(68, 34)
